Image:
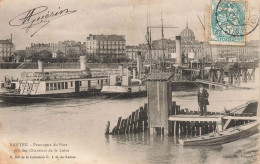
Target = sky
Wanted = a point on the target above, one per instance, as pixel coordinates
(122, 17)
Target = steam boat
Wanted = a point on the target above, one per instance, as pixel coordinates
(45, 86)
(124, 86)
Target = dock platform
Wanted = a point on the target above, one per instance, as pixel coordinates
(212, 118)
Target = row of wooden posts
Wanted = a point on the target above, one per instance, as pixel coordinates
(176, 109)
(198, 128)
(134, 123)
(137, 122)
(235, 74)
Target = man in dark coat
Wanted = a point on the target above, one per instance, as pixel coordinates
(203, 100)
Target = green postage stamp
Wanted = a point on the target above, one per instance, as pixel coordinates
(228, 22)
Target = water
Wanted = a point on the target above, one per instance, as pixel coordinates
(80, 123)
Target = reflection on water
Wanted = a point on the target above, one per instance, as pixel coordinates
(81, 124)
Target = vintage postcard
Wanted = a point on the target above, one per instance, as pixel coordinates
(129, 81)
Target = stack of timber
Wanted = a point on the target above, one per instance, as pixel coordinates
(134, 123)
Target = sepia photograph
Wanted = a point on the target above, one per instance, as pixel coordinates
(129, 81)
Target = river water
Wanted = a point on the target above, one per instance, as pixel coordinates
(80, 123)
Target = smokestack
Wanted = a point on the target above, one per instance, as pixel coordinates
(139, 65)
(134, 73)
(178, 50)
(83, 65)
(40, 66)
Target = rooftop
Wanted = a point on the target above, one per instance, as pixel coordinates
(164, 76)
(106, 37)
(5, 42)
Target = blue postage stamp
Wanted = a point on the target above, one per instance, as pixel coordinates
(228, 22)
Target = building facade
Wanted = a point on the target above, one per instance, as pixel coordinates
(67, 49)
(6, 50)
(160, 49)
(72, 49)
(249, 52)
(194, 49)
(189, 45)
(43, 46)
(106, 48)
(131, 52)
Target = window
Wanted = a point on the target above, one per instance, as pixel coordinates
(98, 82)
(71, 84)
(2, 85)
(89, 83)
(47, 86)
(62, 85)
(80, 83)
(59, 86)
(51, 86)
(101, 82)
(66, 85)
(55, 86)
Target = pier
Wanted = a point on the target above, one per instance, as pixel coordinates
(162, 116)
(215, 75)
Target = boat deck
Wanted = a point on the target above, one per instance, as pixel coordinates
(217, 118)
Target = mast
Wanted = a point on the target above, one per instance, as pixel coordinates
(149, 38)
(150, 43)
(162, 38)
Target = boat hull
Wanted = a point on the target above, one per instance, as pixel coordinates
(24, 99)
(201, 141)
(125, 94)
(124, 91)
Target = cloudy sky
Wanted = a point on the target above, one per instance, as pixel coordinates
(123, 17)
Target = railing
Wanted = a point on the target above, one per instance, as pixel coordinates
(55, 75)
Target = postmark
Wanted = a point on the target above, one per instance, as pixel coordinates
(228, 22)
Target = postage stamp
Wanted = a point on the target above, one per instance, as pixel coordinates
(228, 22)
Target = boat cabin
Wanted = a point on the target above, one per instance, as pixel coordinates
(61, 82)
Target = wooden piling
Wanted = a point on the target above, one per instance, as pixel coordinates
(174, 128)
(174, 108)
(179, 130)
(107, 128)
(143, 126)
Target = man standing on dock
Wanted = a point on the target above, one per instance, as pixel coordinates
(203, 100)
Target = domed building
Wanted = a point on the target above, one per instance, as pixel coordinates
(189, 45)
(187, 34)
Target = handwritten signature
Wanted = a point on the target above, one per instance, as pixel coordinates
(37, 18)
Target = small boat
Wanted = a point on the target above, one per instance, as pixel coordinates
(222, 137)
(124, 86)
